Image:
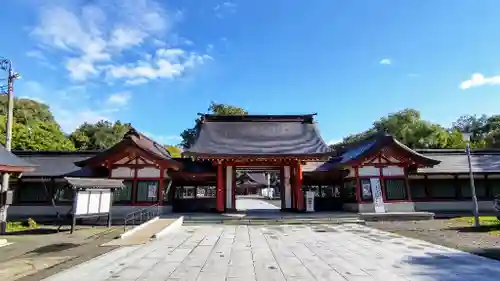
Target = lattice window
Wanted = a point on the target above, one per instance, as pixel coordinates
(124, 194)
(395, 189)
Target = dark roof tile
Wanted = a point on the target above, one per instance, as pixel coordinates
(93, 183)
(14, 163)
(141, 141)
(377, 142)
(255, 135)
(458, 163)
(55, 163)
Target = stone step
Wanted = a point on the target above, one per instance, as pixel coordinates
(142, 234)
(272, 221)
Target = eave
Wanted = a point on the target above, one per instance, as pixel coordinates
(16, 169)
(256, 158)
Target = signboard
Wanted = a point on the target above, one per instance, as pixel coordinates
(89, 202)
(152, 190)
(366, 189)
(378, 200)
(310, 201)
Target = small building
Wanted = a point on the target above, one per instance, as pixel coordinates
(252, 183)
(205, 180)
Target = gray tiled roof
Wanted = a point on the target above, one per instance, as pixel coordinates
(133, 137)
(376, 143)
(458, 163)
(258, 135)
(7, 158)
(258, 178)
(91, 183)
(55, 163)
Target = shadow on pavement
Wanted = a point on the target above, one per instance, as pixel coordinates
(455, 266)
(483, 228)
(53, 248)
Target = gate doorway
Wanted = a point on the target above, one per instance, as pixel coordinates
(257, 190)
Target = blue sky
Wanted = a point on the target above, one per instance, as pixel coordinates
(157, 64)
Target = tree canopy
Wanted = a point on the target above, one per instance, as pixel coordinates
(174, 151)
(189, 135)
(34, 128)
(98, 136)
(408, 127)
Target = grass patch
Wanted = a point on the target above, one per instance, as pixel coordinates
(18, 226)
(489, 224)
(484, 220)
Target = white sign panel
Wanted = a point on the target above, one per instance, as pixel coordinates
(378, 200)
(152, 190)
(288, 187)
(310, 201)
(366, 189)
(82, 202)
(92, 202)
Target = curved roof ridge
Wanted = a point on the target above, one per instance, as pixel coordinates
(309, 118)
(229, 136)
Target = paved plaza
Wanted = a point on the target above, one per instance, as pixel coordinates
(289, 252)
(257, 204)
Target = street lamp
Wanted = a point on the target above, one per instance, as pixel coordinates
(6, 65)
(475, 209)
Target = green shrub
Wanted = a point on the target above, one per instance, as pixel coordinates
(30, 223)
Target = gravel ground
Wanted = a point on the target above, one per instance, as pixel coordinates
(458, 235)
(68, 249)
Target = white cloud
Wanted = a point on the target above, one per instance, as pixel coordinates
(36, 54)
(225, 8)
(166, 64)
(119, 99)
(479, 79)
(95, 37)
(69, 120)
(385, 61)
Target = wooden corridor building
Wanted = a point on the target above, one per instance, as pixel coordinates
(204, 179)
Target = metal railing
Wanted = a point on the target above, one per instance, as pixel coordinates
(141, 216)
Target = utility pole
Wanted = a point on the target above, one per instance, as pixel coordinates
(475, 206)
(7, 65)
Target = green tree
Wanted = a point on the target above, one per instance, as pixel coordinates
(408, 127)
(26, 110)
(38, 135)
(189, 135)
(174, 151)
(34, 127)
(98, 136)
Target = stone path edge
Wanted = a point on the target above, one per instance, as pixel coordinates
(135, 229)
(177, 224)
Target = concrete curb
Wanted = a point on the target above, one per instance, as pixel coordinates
(169, 228)
(3, 242)
(397, 216)
(133, 230)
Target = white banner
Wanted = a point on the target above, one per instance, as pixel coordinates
(310, 201)
(152, 190)
(378, 200)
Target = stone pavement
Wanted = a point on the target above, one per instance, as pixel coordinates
(288, 252)
(254, 204)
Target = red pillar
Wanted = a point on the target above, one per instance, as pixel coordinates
(293, 190)
(298, 188)
(161, 186)
(220, 188)
(358, 184)
(233, 192)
